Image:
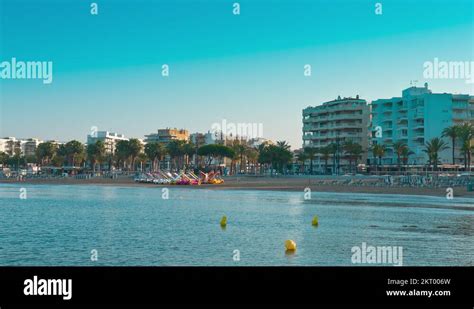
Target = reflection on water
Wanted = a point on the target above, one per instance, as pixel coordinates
(60, 225)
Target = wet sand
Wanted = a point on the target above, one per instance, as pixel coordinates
(281, 183)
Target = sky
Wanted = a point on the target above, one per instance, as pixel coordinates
(246, 68)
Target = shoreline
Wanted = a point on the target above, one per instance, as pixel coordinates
(290, 184)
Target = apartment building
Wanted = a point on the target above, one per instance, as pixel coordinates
(415, 118)
(28, 146)
(335, 122)
(109, 139)
(25, 147)
(10, 145)
(201, 139)
(167, 135)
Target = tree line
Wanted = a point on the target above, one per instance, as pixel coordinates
(132, 155)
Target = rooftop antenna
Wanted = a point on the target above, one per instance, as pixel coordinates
(413, 82)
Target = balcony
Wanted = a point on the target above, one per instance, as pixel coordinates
(349, 134)
(309, 136)
(346, 116)
(310, 127)
(460, 116)
(331, 109)
(402, 106)
(460, 106)
(346, 126)
(316, 119)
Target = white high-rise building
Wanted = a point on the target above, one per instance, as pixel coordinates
(333, 123)
(28, 146)
(415, 118)
(109, 139)
(10, 145)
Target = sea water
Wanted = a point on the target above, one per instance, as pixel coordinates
(108, 225)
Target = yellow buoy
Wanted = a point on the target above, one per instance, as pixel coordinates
(290, 245)
(315, 221)
(224, 221)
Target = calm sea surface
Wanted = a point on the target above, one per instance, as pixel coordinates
(61, 225)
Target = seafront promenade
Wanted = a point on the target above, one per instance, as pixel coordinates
(406, 185)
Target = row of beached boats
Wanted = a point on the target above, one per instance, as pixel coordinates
(182, 178)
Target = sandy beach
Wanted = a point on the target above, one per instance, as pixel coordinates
(281, 183)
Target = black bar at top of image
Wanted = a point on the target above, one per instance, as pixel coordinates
(227, 285)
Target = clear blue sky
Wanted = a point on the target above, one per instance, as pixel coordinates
(246, 68)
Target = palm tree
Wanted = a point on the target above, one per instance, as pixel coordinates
(466, 134)
(334, 149)
(276, 156)
(122, 153)
(155, 152)
(61, 157)
(432, 148)
(285, 149)
(58, 160)
(378, 151)
(100, 153)
(261, 150)
(175, 151)
(325, 155)
(188, 151)
(109, 158)
(311, 155)
(16, 157)
(74, 151)
(284, 157)
(353, 150)
(198, 141)
(452, 132)
(283, 145)
(406, 152)
(96, 153)
(301, 157)
(240, 150)
(400, 148)
(466, 150)
(135, 147)
(357, 152)
(252, 157)
(45, 152)
(142, 158)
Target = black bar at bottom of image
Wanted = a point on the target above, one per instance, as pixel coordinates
(224, 285)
